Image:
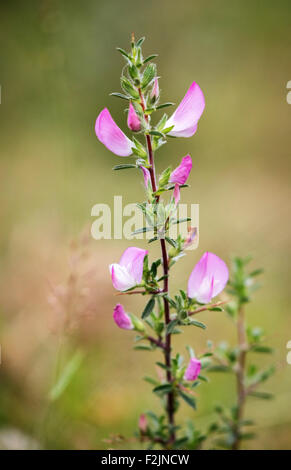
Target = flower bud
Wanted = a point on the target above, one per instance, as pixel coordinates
(137, 323)
(133, 120)
(155, 93)
(121, 318)
(142, 424)
(193, 369)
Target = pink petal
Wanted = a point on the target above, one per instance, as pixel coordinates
(181, 173)
(193, 369)
(133, 121)
(121, 278)
(146, 175)
(188, 113)
(132, 259)
(111, 135)
(121, 318)
(208, 278)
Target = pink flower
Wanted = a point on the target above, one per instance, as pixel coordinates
(185, 118)
(146, 175)
(193, 370)
(155, 91)
(111, 136)
(208, 278)
(133, 121)
(128, 272)
(181, 173)
(121, 318)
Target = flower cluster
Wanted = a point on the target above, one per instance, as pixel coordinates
(163, 314)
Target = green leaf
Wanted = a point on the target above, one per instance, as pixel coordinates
(125, 54)
(125, 166)
(120, 95)
(171, 326)
(148, 308)
(66, 376)
(139, 148)
(164, 105)
(148, 75)
(151, 57)
(262, 395)
(180, 221)
(163, 366)
(171, 242)
(168, 129)
(142, 230)
(150, 380)
(140, 41)
(188, 399)
(262, 349)
(153, 239)
(164, 177)
(256, 272)
(156, 133)
(143, 347)
(129, 88)
(164, 388)
(218, 368)
(197, 323)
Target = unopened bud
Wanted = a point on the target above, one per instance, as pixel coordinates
(133, 120)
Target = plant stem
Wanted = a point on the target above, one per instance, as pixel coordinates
(207, 307)
(167, 350)
(240, 373)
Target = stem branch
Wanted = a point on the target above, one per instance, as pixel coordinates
(240, 373)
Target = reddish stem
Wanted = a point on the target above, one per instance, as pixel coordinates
(167, 351)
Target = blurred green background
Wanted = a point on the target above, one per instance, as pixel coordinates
(58, 66)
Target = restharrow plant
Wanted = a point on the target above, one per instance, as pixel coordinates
(163, 314)
(232, 426)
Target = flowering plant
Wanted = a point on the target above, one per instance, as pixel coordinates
(164, 314)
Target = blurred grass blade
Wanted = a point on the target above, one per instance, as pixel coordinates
(66, 376)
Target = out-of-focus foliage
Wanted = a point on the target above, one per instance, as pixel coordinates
(57, 59)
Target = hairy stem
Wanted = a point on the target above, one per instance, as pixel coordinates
(167, 350)
(240, 373)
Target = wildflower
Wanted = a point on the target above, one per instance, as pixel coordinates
(128, 272)
(133, 120)
(185, 118)
(193, 369)
(121, 318)
(111, 135)
(208, 278)
(180, 175)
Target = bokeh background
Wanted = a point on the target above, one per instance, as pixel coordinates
(58, 66)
